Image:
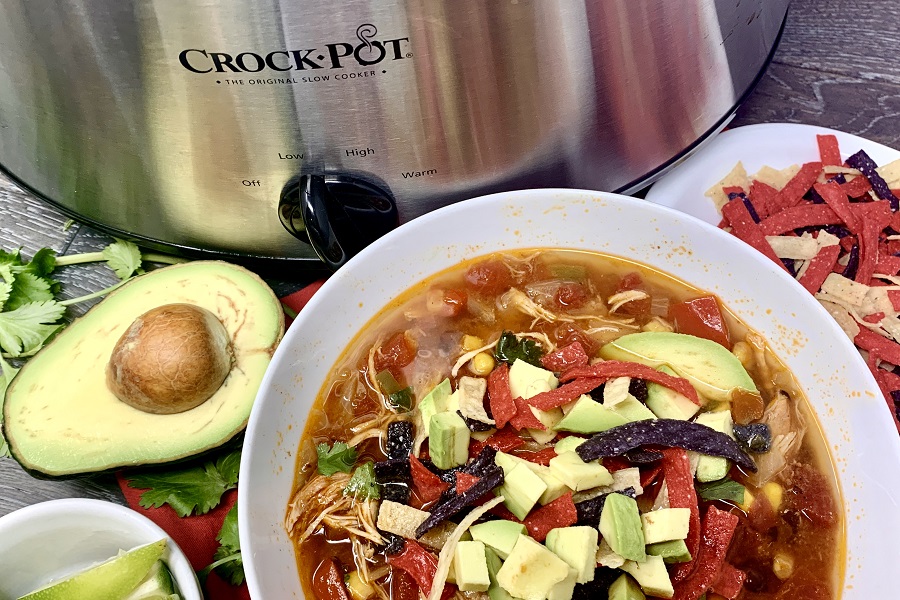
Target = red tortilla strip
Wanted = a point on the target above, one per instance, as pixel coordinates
(894, 297)
(886, 349)
(565, 358)
(610, 369)
(829, 151)
(733, 189)
(718, 529)
(874, 317)
(764, 198)
(792, 193)
(803, 215)
(541, 457)
(464, 481)
(428, 485)
(743, 226)
(887, 265)
(874, 217)
(505, 440)
(835, 197)
(559, 513)
(856, 187)
(500, 397)
(564, 393)
(819, 267)
(676, 469)
(524, 418)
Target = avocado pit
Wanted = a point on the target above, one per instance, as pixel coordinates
(171, 359)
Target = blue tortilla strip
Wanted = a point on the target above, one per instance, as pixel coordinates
(852, 263)
(671, 433)
(589, 510)
(492, 478)
(867, 166)
(399, 439)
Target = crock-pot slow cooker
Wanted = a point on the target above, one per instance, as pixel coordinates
(241, 128)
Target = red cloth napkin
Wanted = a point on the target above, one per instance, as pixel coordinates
(196, 535)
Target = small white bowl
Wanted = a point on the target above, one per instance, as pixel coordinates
(51, 540)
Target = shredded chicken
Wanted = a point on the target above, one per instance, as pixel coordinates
(788, 427)
(617, 301)
(514, 298)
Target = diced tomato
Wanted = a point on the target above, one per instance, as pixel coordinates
(729, 582)
(633, 281)
(428, 486)
(490, 277)
(559, 513)
(446, 303)
(701, 317)
(630, 281)
(397, 352)
(328, 581)
(571, 295)
(810, 496)
(567, 333)
(761, 516)
(403, 586)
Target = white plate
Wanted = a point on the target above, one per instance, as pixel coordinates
(852, 412)
(778, 145)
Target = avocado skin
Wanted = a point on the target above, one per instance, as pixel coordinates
(256, 327)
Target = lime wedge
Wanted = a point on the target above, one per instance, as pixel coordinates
(157, 585)
(113, 579)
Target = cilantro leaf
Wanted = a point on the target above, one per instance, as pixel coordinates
(27, 288)
(42, 263)
(227, 560)
(26, 328)
(122, 257)
(340, 457)
(6, 285)
(723, 489)
(189, 490)
(10, 259)
(509, 348)
(6, 374)
(362, 485)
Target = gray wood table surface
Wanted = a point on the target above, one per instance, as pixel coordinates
(838, 66)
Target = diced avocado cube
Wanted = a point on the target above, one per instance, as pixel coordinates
(434, 401)
(448, 440)
(495, 592)
(665, 524)
(620, 526)
(666, 403)
(714, 468)
(625, 588)
(498, 535)
(589, 416)
(470, 567)
(675, 551)
(521, 490)
(651, 575)
(565, 588)
(531, 570)
(526, 380)
(568, 444)
(555, 487)
(549, 418)
(631, 409)
(577, 474)
(578, 547)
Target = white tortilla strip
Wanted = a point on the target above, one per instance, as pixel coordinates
(890, 173)
(737, 177)
(851, 292)
(804, 247)
(775, 178)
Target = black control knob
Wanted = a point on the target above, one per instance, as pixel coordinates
(338, 215)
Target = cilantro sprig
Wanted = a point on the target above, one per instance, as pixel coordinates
(227, 560)
(509, 348)
(362, 484)
(193, 489)
(339, 457)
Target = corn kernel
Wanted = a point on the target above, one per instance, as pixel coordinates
(775, 494)
(783, 565)
(482, 364)
(748, 501)
(471, 342)
(359, 589)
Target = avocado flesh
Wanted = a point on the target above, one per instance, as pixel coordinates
(713, 371)
(61, 420)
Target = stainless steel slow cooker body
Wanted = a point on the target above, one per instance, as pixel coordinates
(182, 122)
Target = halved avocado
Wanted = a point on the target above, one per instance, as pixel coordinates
(61, 419)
